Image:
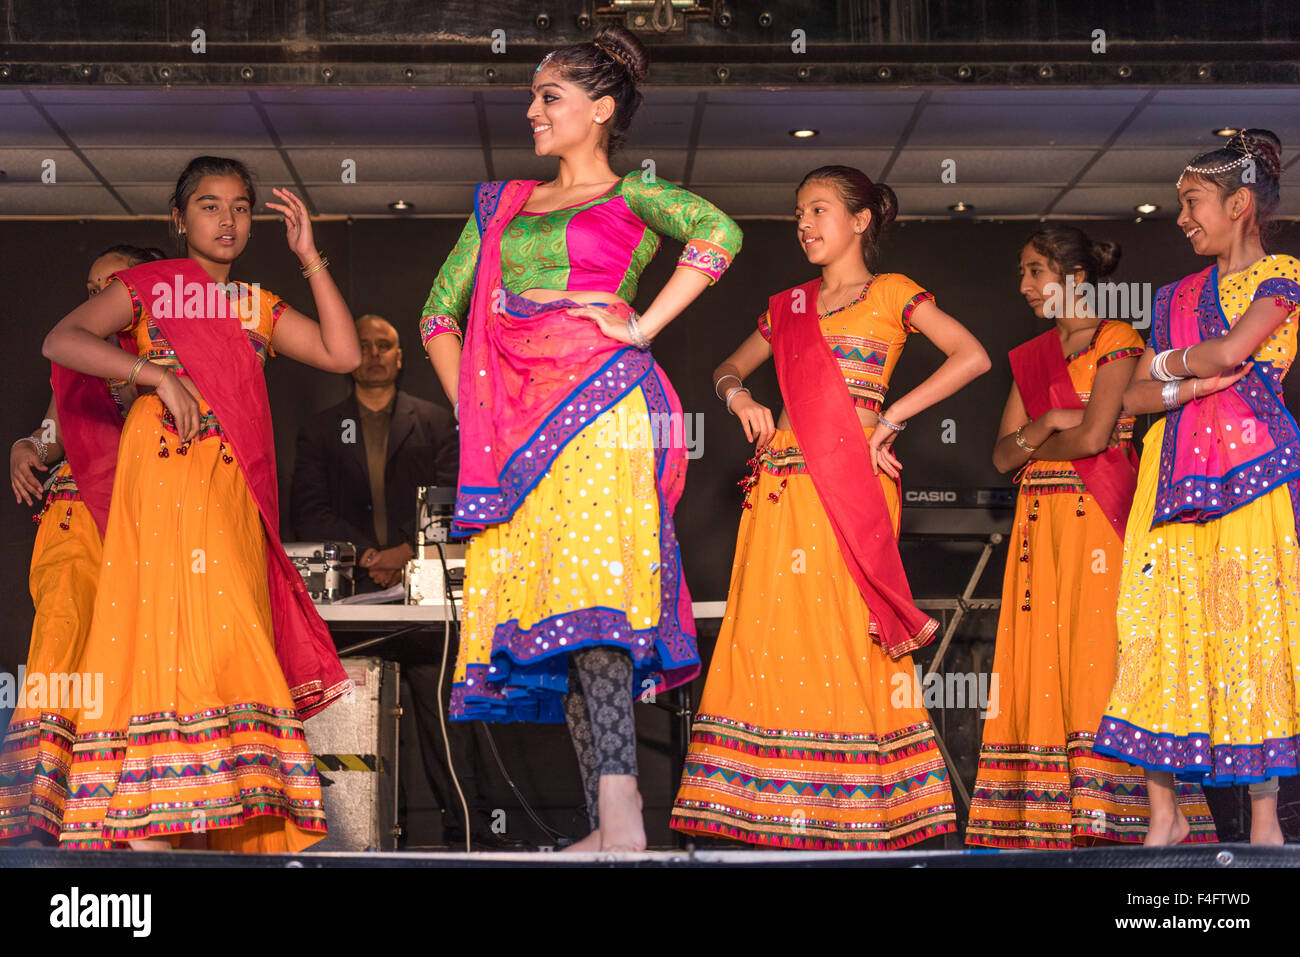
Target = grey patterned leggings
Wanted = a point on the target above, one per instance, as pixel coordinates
(598, 710)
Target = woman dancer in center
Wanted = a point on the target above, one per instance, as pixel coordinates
(1039, 783)
(574, 595)
(809, 734)
(1209, 600)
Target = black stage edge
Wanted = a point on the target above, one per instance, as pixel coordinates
(1214, 856)
(940, 896)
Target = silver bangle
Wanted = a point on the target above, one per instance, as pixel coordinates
(731, 394)
(724, 379)
(890, 425)
(1160, 367)
(1187, 371)
(1157, 367)
(1169, 394)
(638, 340)
(42, 450)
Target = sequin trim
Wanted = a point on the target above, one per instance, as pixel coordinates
(1195, 757)
(707, 257)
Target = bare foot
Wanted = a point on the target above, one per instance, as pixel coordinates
(589, 843)
(1264, 826)
(621, 826)
(1266, 833)
(151, 844)
(1165, 830)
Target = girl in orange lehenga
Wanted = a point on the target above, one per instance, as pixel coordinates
(802, 740)
(199, 729)
(1039, 783)
(64, 570)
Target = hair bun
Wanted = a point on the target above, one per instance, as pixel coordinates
(1107, 255)
(1265, 146)
(623, 46)
(886, 200)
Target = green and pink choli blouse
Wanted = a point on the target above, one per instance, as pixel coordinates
(602, 245)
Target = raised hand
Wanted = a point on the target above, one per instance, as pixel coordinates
(297, 225)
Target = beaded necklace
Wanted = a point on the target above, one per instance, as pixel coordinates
(848, 305)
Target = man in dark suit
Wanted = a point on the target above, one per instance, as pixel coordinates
(355, 476)
(358, 464)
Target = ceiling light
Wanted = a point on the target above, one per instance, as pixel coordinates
(960, 207)
(803, 134)
(1226, 131)
(1146, 208)
(401, 206)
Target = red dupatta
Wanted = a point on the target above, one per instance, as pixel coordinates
(839, 462)
(1043, 378)
(219, 358)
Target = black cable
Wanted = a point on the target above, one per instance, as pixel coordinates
(559, 837)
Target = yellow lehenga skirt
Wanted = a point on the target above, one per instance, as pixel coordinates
(63, 576)
(1040, 784)
(584, 560)
(808, 734)
(1209, 640)
(196, 731)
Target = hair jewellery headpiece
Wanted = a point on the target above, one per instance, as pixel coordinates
(1237, 142)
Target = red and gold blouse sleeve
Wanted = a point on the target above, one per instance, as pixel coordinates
(904, 296)
(1118, 340)
(765, 325)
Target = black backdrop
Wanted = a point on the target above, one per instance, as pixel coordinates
(386, 267)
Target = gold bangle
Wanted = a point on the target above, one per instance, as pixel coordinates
(138, 365)
(310, 267)
(1020, 441)
(324, 263)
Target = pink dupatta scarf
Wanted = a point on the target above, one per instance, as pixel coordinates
(219, 358)
(532, 376)
(1043, 378)
(839, 462)
(1224, 450)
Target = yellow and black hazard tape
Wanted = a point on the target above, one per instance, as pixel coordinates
(349, 762)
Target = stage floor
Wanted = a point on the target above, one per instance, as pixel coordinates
(1202, 856)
